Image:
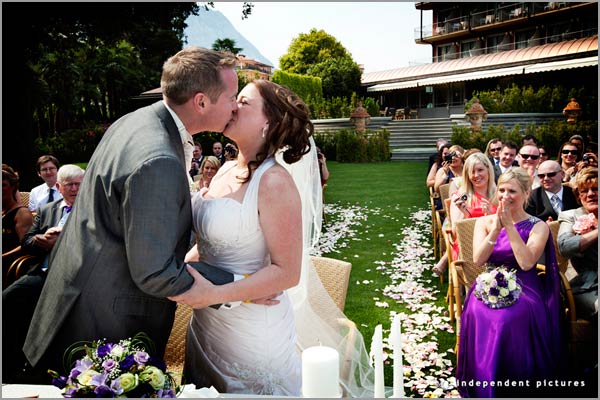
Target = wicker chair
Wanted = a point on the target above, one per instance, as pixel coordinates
(563, 262)
(25, 198)
(335, 275)
(175, 350)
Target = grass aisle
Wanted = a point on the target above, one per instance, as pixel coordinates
(378, 219)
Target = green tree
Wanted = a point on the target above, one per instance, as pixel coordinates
(340, 77)
(309, 49)
(226, 45)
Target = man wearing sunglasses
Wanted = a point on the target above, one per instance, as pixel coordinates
(548, 200)
(528, 160)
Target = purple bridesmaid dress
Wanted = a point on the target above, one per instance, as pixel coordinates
(517, 350)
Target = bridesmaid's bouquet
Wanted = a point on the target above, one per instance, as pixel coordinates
(497, 287)
(122, 369)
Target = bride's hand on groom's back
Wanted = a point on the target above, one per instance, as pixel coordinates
(270, 300)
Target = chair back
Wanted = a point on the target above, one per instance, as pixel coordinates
(464, 235)
(444, 191)
(335, 275)
(562, 261)
(25, 198)
(175, 350)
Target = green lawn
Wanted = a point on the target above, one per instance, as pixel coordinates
(386, 194)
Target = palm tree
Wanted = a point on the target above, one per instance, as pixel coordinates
(226, 45)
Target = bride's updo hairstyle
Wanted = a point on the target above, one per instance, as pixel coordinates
(289, 124)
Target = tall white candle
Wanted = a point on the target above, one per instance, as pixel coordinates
(396, 342)
(377, 351)
(320, 372)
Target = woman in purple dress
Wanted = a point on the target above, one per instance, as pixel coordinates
(515, 350)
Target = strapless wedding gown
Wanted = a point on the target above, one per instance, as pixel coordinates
(249, 348)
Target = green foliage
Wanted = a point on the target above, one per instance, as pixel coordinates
(340, 76)
(226, 45)
(71, 145)
(354, 147)
(526, 99)
(309, 49)
(341, 107)
(306, 87)
(463, 136)
(372, 106)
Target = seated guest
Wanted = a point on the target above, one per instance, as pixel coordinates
(16, 218)
(578, 141)
(451, 167)
(46, 193)
(433, 158)
(323, 170)
(568, 156)
(578, 241)
(475, 196)
(548, 200)
(20, 298)
(208, 170)
(507, 155)
(543, 154)
(523, 340)
(527, 157)
(437, 163)
(218, 152)
(529, 140)
(492, 150)
(196, 160)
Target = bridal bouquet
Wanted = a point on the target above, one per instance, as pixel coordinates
(585, 223)
(122, 369)
(497, 287)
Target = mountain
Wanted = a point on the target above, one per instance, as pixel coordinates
(209, 25)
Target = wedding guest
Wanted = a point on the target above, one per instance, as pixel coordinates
(527, 157)
(218, 152)
(578, 241)
(197, 158)
(259, 355)
(46, 166)
(323, 170)
(16, 218)
(507, 155)
(578, 141)
(500, 344)
(492, 150)
(548, 200)
(230, 152)
(568, 155)
(433, 158)
(475, 196)
(543, 153)
(529, 139)
(209, 168)
(437, 162)
(20, 298)
(128, 234)
(451, 167)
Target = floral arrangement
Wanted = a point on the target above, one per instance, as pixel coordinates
(122, 369)
(497, 287)
(585, 223)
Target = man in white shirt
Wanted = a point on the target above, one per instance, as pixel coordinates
(507, 155)
(47, 168)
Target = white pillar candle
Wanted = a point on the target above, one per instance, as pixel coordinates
(377, 351)
(396, 342)
(320, 372)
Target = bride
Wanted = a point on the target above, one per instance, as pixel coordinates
(253, 222)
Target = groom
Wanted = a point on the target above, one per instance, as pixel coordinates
(121, 253)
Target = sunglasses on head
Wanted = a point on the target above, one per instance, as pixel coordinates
(570, 151)
(549, 175)
(527, 156)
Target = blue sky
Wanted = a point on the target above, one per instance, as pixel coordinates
(380, 35)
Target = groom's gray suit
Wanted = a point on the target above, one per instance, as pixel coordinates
(121, 251)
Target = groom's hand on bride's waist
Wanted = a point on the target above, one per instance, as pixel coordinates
(269, 300)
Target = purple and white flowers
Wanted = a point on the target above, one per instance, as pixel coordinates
(122, 369)
(497, 287)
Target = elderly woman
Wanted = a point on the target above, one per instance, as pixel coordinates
(578, 240)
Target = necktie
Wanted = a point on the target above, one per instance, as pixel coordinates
(556, 203)
(63, 220)
(50, 195)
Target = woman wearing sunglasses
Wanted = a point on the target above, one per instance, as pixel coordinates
(568, 156)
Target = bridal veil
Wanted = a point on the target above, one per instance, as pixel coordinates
(318, 319)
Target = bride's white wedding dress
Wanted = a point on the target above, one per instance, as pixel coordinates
(249, 348)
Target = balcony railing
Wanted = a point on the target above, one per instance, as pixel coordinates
(506, 12)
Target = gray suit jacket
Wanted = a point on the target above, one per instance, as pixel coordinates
(121, 251)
